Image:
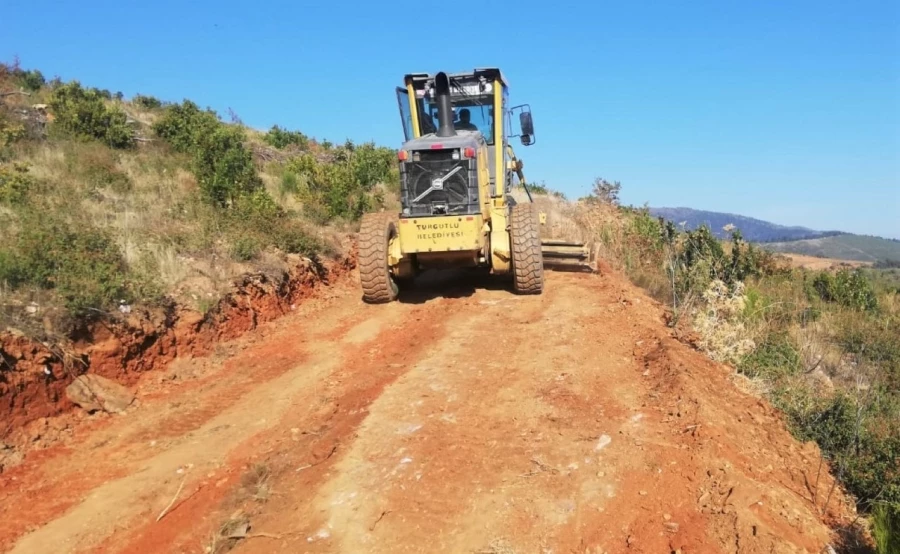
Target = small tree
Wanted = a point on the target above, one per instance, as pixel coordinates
(280, 138)
(147, 102)
(32, 80)
(82, 113)
(605, 191)
(223, 167)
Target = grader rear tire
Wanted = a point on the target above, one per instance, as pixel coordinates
(527, 263)
(375, 234)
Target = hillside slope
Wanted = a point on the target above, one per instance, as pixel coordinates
(753, 230)
(110, 206)
(843, 247)
(324, 433)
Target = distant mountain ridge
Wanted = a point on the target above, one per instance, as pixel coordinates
(787, 239)
(752, 229)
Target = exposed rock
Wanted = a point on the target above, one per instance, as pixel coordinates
(93, 393)
(9, 457)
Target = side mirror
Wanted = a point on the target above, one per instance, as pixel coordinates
(526, 123)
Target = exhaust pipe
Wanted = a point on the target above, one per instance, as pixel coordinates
(445, 108)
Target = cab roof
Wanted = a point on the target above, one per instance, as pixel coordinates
(489, 73)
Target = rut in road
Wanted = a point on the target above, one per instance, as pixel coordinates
(480, 421)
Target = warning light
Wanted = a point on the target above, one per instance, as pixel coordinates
(402, 155)
(470, 152)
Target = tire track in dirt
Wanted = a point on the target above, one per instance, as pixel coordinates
(321, 419)
(497, 437)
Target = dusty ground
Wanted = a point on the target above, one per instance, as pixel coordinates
(461, 419)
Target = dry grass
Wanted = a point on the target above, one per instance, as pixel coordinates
(244, 502)
(255, 483)
(723, 336)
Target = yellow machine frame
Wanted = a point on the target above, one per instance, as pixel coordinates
(484, 239)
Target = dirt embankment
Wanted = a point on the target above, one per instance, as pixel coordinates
(34, 375)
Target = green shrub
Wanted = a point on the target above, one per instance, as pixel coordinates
(11, 272)
(886, 528)
(858, 435)
(184, 125)
(848, 288)
(281, 138)
(15, 182)
(147, 102)
(289, 183)
(343, 187)
(245, 248)
(10, 131)
(223, 166)
(874, 339)
(256, 222)
(31, 80)
(82, 113)
(81, 263)
(775, 357)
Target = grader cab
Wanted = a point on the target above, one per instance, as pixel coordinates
(456, 170)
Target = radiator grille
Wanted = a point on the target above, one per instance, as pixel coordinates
(436, 184)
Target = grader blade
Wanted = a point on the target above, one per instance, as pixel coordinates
(561, 254)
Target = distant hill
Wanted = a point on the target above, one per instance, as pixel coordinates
(753, 230)
(842, 247)
(788, 239)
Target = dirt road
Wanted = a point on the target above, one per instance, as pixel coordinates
(461, 419)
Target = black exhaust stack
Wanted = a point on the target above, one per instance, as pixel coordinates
(445, 108)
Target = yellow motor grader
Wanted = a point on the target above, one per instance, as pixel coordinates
(456, 170)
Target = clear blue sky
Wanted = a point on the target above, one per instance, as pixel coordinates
(787, 111)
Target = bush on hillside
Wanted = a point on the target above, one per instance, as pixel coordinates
(32, 80)
(223, 166)
(874, 340)
(848, 288)
(184, 125)
(82, 264)
(281, 138)
(83, 114)
(854, 433)
(15, 182)
(776, 356)
(10, 131)
(146, 102)
(344, 187)
(28, 79)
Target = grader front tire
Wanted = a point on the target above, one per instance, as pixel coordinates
(375, 234)
(527, 263)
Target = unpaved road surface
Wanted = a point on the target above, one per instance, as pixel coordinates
(461, 419)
